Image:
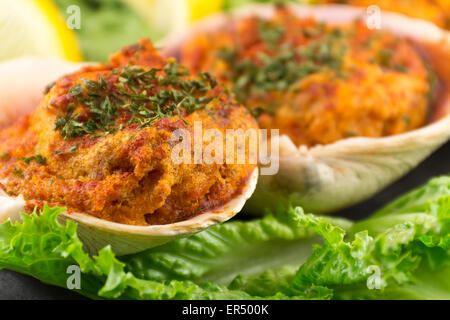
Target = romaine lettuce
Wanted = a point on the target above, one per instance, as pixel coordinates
(402, 252)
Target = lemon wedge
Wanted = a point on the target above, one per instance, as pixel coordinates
(201, 8)
(169, 16)
(35, 28)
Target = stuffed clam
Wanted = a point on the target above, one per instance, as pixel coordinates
(101, 144)
(357, 106)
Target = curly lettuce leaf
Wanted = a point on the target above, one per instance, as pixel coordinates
(418, 199)
(393, 256)
(429, 230)
(44, 249)
(279, 281)
(224, 251)
(402, 253)
(365, 263)
(360, 264)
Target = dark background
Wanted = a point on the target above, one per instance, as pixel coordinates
(17, 286)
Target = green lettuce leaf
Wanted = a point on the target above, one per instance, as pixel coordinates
(224, 251)
(45, 249)
(418, 200)
(399, 263)
(402, 252)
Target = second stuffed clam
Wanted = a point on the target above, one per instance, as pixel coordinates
(357, 107)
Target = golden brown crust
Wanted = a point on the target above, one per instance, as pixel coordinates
(125, 175)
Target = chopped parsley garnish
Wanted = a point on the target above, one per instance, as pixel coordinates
(433, 81)
(38, 158)
(4, 156)
(315, 31)
(144, 96)
(17, 172)
(328, 51)
(401, 68)
(257, 112)
(48, 87)
(270, 33)
(406, 118)
(278, 72)
(384, 57)
(73, 148)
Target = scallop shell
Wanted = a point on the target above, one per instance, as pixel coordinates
(326, 178)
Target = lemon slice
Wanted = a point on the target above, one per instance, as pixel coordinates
(35, 28)
(201, 8)
(168, 16)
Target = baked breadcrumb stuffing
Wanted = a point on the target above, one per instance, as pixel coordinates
(317, 83)
(100, 142)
